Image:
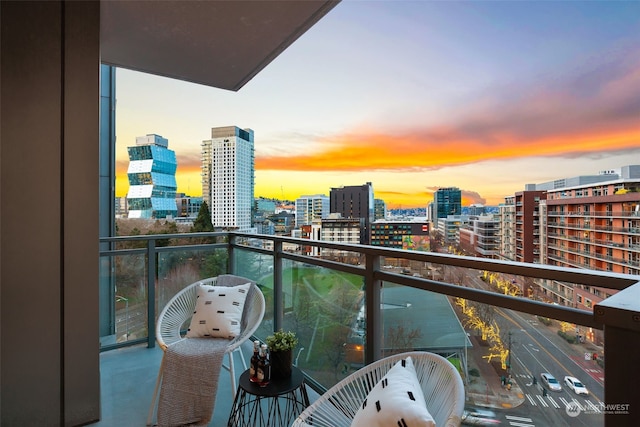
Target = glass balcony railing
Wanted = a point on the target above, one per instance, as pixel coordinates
(352, 304)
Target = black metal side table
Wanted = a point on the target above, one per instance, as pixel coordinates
(276, 404)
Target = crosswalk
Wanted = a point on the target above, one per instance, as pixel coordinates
(550, 402)
(519, 421)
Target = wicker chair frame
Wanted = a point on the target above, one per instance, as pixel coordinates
(441, 383)
(176, 314)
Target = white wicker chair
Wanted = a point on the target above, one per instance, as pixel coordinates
(441, 383)
(175, 316)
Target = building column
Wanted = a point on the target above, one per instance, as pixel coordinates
(49, 346)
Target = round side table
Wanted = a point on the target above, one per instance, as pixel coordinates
(276, 404)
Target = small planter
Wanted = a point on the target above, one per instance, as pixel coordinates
(281, 363)
(281, 346)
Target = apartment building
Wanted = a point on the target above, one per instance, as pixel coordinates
(527, 224)
(311, 208)
(337, 229)
(448, 227)
(481, 236)
(228, 176)
(593, 222)
(506, 234)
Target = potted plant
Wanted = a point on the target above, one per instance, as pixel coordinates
(281, 346)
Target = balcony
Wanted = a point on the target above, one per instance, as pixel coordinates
(348, 309)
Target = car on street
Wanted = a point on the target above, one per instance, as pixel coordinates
(550, 381)
(576, 385)
(473, 416)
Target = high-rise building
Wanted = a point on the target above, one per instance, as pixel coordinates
(354, 201)
(447, 201)
(152, 178)
(311, 208)
(228, 176)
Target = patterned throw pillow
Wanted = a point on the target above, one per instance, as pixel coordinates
(397, 400)
(218, 311)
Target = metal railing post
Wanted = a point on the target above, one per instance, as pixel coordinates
(151, 292)
(373, 289)
(278, 294)
(231, 260)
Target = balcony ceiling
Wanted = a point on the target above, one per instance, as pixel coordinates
(215, 43)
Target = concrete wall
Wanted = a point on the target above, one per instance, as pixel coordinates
(49, 347)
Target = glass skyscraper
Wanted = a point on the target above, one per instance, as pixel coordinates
(447, 201)
(152, 178)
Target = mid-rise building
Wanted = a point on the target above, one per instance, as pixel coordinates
(406, 235)
(379, 209)
(507, 220)
(448, 227)
(340, 230)
(593, 222)
(446, 201)
(228, 176)
(311, 232)
(481, 236)
(353, 202)
(152, 178)
(311, 208)
(476, 209)
(527, 225)
(283, 223)
(188, 207)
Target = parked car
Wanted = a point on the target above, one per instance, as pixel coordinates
(574, 384)
(550, 381)
(479, 417)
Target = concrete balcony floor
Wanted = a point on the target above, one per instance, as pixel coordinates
(128, 377)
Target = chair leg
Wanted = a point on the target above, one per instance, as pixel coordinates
(233, 375)
(155, 393)
(244, 363)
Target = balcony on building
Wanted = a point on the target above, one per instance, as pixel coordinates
(78, 344)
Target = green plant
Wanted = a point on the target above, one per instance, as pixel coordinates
(282, 341)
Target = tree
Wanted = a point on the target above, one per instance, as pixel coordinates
(203, 223)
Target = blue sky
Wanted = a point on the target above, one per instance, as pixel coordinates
(414, 95)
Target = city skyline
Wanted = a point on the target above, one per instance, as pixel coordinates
(414, 96)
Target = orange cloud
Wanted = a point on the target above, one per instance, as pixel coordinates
(444, 148)
(591, 113)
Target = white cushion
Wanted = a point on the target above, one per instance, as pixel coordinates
(218, 311)
(397, 400)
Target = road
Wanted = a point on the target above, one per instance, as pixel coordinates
(536, 348)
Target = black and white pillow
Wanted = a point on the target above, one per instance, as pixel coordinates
(397, 400)
(218, 311)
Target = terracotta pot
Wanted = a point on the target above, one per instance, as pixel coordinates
(281, 362)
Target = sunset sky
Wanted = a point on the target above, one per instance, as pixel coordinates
(416, 95)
